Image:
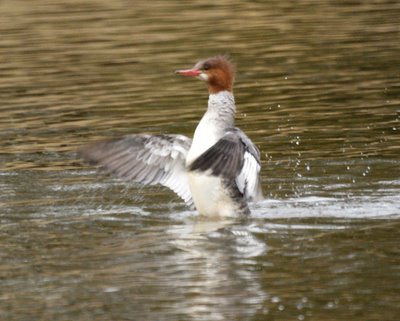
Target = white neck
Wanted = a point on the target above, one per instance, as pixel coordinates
(219, 116)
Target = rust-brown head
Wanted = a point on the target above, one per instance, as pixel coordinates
(218, 73)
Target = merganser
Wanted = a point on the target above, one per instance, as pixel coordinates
(217, 172)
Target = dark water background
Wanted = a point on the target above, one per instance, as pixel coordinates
(317, 89)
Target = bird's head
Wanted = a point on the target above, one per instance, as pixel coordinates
(217, 72)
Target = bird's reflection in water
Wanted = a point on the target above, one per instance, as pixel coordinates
(219, 273)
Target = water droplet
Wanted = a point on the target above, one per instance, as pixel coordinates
(308, 167)
(348, 168)
(300, 317)
(330, 305)
(281, 307)
(275, 299)
(111, 290)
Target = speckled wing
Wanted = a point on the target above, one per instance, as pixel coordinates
(146, 159)
(235, 158)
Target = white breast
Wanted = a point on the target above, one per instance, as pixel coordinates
(210, 196)
(205, 136)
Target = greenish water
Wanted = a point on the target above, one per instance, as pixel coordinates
(317, 89)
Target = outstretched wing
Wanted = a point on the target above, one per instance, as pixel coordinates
(146, 159)
(235, 158)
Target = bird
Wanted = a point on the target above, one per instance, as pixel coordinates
(217, 172)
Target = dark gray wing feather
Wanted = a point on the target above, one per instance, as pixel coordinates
(235, 158)
(146, 159)
(224, 158)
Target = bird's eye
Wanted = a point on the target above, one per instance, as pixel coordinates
(206, 67)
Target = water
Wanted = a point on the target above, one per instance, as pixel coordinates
(317, 90)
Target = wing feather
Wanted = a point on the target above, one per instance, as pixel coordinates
(224, 158)
(235, 158)
(145, 159)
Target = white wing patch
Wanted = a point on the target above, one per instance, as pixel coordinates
(248, 180)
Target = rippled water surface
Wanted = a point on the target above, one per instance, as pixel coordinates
(317, 89)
